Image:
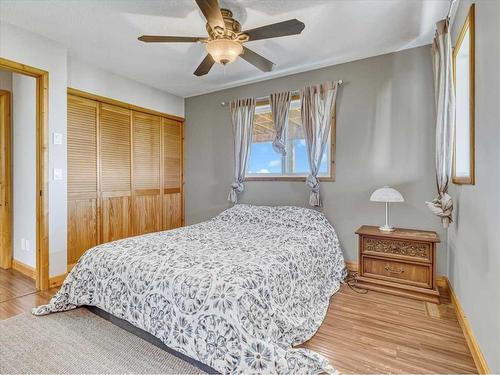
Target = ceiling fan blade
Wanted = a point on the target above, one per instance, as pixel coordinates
(205, 66)
(257, 60)
(169, 39)
(290, 27)
(211, 11)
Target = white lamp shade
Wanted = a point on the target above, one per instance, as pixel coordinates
(386, 194)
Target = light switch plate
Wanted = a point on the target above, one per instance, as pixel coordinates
(58, 174)
(58, 138)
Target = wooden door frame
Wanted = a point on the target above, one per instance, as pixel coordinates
(42, 166)
(5, 173)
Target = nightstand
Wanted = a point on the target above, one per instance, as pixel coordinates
(402, 262)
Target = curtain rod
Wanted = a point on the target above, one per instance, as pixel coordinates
(262, 98)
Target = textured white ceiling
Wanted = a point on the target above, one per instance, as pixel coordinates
(104, 33)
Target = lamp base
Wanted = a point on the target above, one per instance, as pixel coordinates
(386, 228)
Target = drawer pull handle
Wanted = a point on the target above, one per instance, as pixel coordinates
(393, 270)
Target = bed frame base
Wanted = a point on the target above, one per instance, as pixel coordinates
(149, 338)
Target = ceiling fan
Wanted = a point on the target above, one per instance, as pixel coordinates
(225, 38)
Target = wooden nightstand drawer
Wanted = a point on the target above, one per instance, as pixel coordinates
(412, 274)
(408, 250)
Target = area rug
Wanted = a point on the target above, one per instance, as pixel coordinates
(79, 341)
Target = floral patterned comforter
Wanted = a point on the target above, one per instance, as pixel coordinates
(234, 292)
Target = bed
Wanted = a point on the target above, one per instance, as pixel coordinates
(236, 292)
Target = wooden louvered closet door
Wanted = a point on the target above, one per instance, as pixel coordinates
(124, 173)
(115, 165)
(172, 174)
(83, 220)
(147, 212)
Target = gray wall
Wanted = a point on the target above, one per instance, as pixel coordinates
(474, 244)
(5, 80)
(385, 136)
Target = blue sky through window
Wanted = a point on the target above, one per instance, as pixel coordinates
(263, 159)
(301, 162)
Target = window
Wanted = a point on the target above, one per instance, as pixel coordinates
(265, 163)
(463, 69)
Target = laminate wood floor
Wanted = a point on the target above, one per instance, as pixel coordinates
(14, 284)
(362, 333)
(18, 294)
(382, 333)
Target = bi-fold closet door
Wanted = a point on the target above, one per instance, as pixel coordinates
(146, 138)
(124, 174)
(115, 172)
(83, 189)
(173, 214)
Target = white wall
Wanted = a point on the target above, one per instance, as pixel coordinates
(31, 49)
(24, 165)
(23, 114)
(85, 77)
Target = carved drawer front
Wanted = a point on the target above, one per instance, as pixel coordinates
(404, 249)
(412, 274)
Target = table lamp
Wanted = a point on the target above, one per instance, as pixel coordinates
(387, 195)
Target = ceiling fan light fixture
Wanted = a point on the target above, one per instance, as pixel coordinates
(225, 38)
(224, 51)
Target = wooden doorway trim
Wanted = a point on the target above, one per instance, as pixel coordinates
(42, 166)
(5, 181)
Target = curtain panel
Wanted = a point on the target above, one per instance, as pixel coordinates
(317, 110)
(442, 205)
(242, 115)
(280, 106)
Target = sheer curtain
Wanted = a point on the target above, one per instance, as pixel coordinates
(317, 109)
(442, 205)
(242, 115)
(280, 105)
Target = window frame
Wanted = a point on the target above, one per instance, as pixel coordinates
(333, 143)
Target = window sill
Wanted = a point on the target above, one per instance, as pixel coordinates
(286, 178)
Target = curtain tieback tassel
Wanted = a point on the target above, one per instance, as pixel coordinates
(314, 198)
(313, 183)
(442, 206)
(236, 188)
